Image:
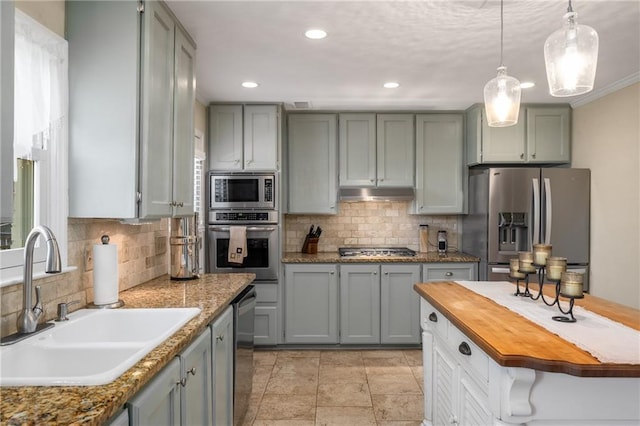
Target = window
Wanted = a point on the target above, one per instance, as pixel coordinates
(40, 114)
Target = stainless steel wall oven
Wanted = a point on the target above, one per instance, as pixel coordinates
(262, 243)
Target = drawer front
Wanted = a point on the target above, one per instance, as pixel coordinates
(449, 272)
(468, 353)
(266, 293)
(431, 319)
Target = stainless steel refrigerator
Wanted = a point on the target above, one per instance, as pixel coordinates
(510, 209)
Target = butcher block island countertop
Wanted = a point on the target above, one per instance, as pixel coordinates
(513, 341)
(94, 405)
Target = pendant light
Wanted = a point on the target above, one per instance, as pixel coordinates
(571, 57)
(502, 94)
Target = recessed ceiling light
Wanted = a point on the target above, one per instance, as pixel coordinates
(391, 85)
(250, 84)
(527, 84)
(315, 34)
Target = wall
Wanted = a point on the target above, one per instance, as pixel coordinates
(606, 139)
(379, 224)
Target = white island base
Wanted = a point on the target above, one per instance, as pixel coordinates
(465, 386)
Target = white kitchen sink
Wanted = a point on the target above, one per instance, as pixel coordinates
(93, 348)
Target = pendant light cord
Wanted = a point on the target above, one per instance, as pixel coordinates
(502, 30)
(569, 9)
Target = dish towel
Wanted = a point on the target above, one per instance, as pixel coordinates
(237, 244)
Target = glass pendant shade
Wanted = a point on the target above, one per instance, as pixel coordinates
(571, 57)
(502, 99)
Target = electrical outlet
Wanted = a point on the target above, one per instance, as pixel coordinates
(88, 259)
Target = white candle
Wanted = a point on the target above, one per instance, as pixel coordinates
(540, 253)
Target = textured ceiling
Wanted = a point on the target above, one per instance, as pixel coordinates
(441, 52)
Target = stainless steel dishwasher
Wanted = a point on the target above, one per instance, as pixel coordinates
(244, 310)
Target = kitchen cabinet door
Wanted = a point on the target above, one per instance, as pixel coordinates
(128, 95)
(548, 134)
(311, 303)
(222, 345)
(266, 315)
(260, 137)
(225, 137)
(158, 403)
(360, 304)
(183, 128)
(312, 162)
(400, 304)
(196, 400)
(357, 150)
(395, 150)
(441, 174)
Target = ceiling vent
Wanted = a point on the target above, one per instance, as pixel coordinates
(302, 105)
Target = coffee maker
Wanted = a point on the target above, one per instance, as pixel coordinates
(442, 243)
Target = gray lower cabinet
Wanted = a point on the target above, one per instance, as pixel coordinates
(181, 394)
(196, 387)
(222, 343)
(158, 403)
(448, 271)
(378, 304)
(311, 303)
(359, 304)
(266, 315)
(196, 380)
(400, 307)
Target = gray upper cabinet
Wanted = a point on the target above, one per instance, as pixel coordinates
(132, 95)
(358, 150)
(376, 150)
(542, 136)
(548, 134)
(395, 150)
(441, 174)
(312, 164)
(243, 137)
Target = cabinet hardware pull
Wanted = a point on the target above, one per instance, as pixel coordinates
(183, 382)
(464, 348)
(220, 338)
(192, 371)
(433, 317)
(449, 274)
(533, 155)
(522, 155)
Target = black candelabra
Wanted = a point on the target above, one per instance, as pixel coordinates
(540, 270)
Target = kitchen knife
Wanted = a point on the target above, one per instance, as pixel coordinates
(318, 232)
(310, 234)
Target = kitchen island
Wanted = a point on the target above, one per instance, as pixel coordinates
(95, 405)
(484, 364)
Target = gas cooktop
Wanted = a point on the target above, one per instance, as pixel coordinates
(376, 251)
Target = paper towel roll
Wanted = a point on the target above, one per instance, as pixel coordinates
(105, 274)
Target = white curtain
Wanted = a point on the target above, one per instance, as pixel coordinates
(41, 89)
(41, 99)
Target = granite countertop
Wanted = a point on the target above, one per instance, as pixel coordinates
(334, 257)
(94, 405)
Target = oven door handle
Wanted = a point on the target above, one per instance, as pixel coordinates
(249, 228)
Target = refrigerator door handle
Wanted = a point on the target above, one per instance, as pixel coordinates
(536, 213)
(548, 211)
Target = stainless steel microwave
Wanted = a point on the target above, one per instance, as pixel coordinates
(242, 191)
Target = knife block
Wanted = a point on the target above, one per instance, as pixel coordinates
(310, 245)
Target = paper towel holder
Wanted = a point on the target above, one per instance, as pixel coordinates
(105, 240)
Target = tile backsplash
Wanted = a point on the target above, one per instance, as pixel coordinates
(369, 224)
(143, 254)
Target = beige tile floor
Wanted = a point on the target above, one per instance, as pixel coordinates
(327, 387)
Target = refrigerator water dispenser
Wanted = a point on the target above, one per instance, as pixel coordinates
(512, 230)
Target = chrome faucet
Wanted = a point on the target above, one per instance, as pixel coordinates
(28, 317)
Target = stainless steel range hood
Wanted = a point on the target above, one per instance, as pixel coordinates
(376, 194)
